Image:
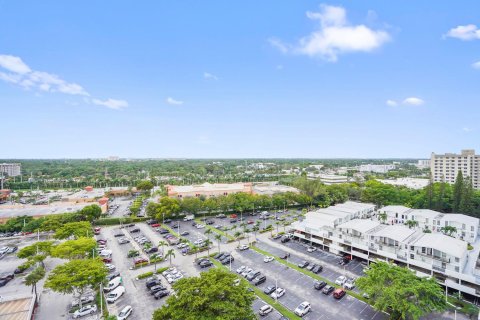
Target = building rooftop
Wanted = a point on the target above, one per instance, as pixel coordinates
(427, 213)
(461, 218)
(443, 243)
(16, 308)
(360, 225)
(399, 209)
(396, 232)
(208, 187)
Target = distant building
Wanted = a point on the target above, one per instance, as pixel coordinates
(208, 189)
(10, 169)
(413, 183)
(329, 179)
(445, 167)
(423, 164)
(377, 168)
(272, 188)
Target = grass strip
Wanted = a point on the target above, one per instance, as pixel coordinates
(224, 234)
(277, 306)
(308, 273)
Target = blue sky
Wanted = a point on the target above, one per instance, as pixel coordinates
(238, 78)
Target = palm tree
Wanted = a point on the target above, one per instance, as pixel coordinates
(208, 243)
(195, 248)
(382, 217)
(233, 228)
(162, 244)
(255, 229)
(208, 232)
(411, 223)
(170, 254)
(33, 278)
(449, 230)
(277, 223)
(218, 237)
(246, 231)
(237, 237)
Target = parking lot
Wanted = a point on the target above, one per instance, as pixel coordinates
(299, 288)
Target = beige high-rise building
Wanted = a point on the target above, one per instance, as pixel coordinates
(445, 167)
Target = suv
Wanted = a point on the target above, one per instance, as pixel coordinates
(303, 309)
(327, 290)
(264, 310)
(259, 280)
(83, 311)
(319, 285)
(303, 264)
(338, 293)
(285, 239)
(252, 275)
(349, 284)
(341, 280)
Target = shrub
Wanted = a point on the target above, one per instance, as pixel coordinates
(114, 221)
(145, 275)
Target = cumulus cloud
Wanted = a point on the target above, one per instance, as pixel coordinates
(173, 102)
(334, 36)
(476, 65)
(209, 76)
(466, 33)
(413, 101)
(111, 103)
(391, 103)
(14, 70)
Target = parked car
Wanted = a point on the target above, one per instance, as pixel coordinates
(205, 264)
(184, 233)
(112, 284)
(112, 276)
(259, 280)
(160, 294)
(123, 241)
(155, 289)
(278, 293)
(119, 234)
(243, 247)
(269, 289)
(221, 216)
(349, 284)
(338, 293)
(341, 280)
(252, 275)
(133, 253)
(268, 259)
(285, 239)
(155, 225)
(107, 260)
(303, 264)
(276, 236)
(327, 290)
(125, 313)
(138, 261)
(241, 269)
(7, 276)
(115, 294)
(311, 249)
(317, 269)
(319, 285)
(233, 220)
(227, 260)
(84, 299)
(246, 272)
(285, 255)
(303, 309)
(85, 310)
(264, 310)
(135, 230)
(151, 250)
(152, 283)
(110, 267)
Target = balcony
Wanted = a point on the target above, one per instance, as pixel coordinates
(437, 268)
(401, 257)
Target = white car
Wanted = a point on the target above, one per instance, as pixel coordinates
(115, 294)
(85, 299)
(241, 269)
(198, 242)
(268, 259)
(85, 310)
(125, 313)
(200, 226)
(303, 309)
(341, 280)
(123, 241)
(278, 293)
(110, 267)
(243, 247)
(266, 309)
(349, 284)
(246, 271)
(311, 249)
(106, 253)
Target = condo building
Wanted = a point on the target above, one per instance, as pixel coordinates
(10, 169)
(445, 167)
(362, 235)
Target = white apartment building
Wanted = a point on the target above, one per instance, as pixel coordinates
(423, 164)
(467, 227)
(329, 179)
(10, 169)
(377, 168)
(445, 167)
(446, 258)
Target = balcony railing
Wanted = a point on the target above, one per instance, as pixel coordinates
(401, 257)
(438, 268)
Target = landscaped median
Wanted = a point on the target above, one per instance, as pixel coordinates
(220, 232)
(308, 273)
(280, 308)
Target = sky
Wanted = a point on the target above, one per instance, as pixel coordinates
(238, 79)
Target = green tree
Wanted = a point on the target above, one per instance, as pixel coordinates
(170, 254)
(218, 237)
(75, 249)
(214, 295)
(449, 230)
(145, 185)
(208, 232)
(76, 276)
(91, 212)
(191, 205)
(33, 278)
(167, 207)
(382, 217)
(411, 223)
(458, 189)
(466, 203)
(35, 253)
(237, 236)
(399, 292)
(75, 229)
(208, 242)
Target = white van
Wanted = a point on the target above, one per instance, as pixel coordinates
(115, 282)
(115, 294)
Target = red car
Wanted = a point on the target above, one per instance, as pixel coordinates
(102, 241)
(107, 260)
(233, 216)
(155, 225)
(250, 221)
(338, 293)
(138, 261)
(97, 230)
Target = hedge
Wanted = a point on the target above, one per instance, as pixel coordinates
(145, 275)
(115, 221)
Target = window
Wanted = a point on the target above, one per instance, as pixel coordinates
(423, 249)
(463, 226)
(472, 228)
(412, 256)
(457, 259)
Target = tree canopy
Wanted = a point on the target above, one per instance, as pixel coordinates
(74, 249)
(211, 296)
(75, 229)
(400, 292)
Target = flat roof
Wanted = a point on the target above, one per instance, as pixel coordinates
(353, 204)
(208, 187)
(13, 308)
(399, 209)
(396, 232)
(452, 246)
(426, 213)
(332, 211)
(458, 217)
(360, 225)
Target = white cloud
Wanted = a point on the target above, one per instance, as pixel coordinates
(465, 33)
(174, 102)
(209, 76)
(392, 103)
(413, 101)
(476, 65)
(111, 103)
(13, 64)
(334, 36)
(17, 72)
